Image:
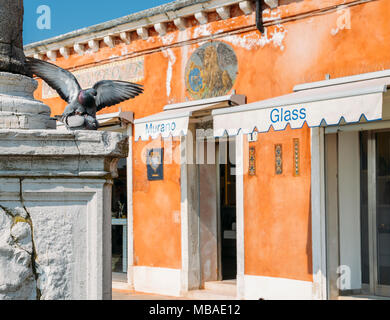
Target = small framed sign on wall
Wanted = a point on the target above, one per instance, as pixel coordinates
(296, 155)
(155, 164)
(278, 159)
(252, 161)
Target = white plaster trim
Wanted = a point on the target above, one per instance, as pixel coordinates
(246, 7)
(240, 215)
(257, 287)
(130, 211)
(180, 23)
(125, 37)
(318, 213)
(94, 45)
(79, 48)
(161, 28)
(184, 285)
(202, 17)
(224, 12)
(109, 41)
(143, 33)
(190, 224)
(65, 52)
(155, 280)
(272, 3)
(52, 55)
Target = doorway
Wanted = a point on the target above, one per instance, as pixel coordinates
(217, 209)
(358, 212)
(227, 205)
(119, 222)
(375, 212)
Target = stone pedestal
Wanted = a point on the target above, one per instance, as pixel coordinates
(55, 189)
(18, 108)
(55, 213)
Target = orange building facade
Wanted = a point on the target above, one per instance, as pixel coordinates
(253, 177)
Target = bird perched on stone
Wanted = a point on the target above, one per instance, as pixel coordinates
(83, 105)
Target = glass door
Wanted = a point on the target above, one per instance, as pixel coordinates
(381, 218)
(228, 214)
(375, 211)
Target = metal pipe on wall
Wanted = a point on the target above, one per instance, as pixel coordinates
(259, 16)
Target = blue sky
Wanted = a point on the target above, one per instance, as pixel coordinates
(69, 15)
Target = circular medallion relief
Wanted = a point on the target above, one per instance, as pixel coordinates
(211, 70)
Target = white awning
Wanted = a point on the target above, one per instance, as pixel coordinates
(175, 118)
(326, 103)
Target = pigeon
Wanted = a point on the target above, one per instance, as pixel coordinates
(80, 113)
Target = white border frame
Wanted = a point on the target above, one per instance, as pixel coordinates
(318, 214)
(130, 225)
(240, 165)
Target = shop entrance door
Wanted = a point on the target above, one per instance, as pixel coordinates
(119, 223)
(375, 211)
(227, 170)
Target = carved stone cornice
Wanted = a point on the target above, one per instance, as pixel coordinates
(139, 23)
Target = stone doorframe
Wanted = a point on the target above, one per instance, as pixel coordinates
(191, 278)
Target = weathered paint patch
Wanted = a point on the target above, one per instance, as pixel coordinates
(272, 35)
(271, 15)
(203, 30)
(124, 51)
(168, 39)
(171, 61)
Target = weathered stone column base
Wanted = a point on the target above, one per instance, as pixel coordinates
(18, 108)
(55, 213)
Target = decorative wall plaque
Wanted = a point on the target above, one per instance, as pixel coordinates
(296, 158)
(155, 166)
(252, 161)
(278, 159)
(211, 70)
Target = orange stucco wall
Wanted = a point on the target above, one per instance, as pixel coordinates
(156, 214)
(313, 40)
(277, 218)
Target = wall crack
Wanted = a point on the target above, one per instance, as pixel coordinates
(34, 256)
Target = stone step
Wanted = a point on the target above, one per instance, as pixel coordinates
(222, 287)
(118, 285)
(119, 281)
(208, 295)
(215, 290)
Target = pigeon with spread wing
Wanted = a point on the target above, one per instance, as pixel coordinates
(82, 105)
